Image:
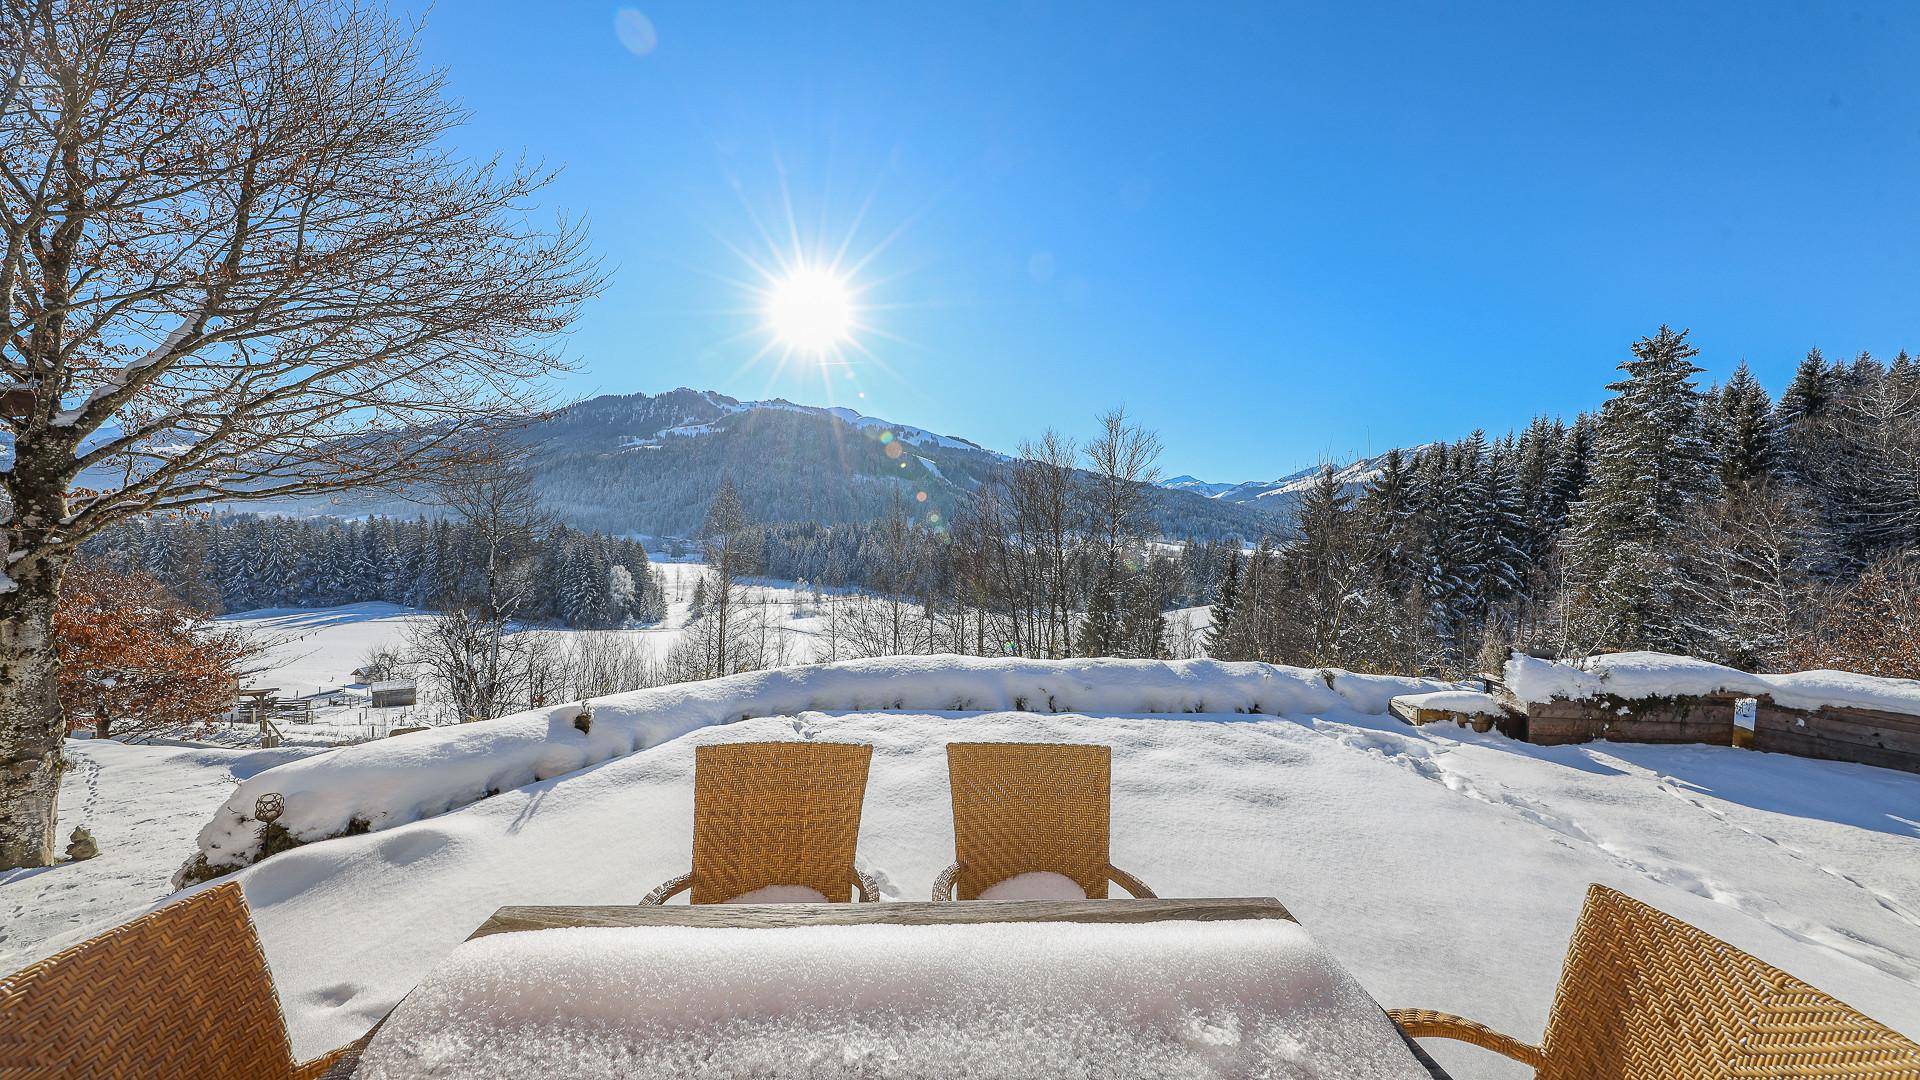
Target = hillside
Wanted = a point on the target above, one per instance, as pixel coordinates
(647, 464)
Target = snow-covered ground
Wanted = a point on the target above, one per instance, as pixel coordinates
(142, 803)
(1443, 867)
(310, 653)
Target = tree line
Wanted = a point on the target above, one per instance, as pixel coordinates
(1712, 521)
(240, 562)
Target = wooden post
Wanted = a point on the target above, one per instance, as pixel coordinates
(1746, 712)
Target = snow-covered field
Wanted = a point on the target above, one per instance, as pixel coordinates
(310, 653)
(1444, 868)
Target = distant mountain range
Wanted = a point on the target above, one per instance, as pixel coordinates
(1276, 494)
(646, 465)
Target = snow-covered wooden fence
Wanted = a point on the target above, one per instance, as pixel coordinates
(1836, 733)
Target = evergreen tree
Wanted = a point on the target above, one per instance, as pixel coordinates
(1652, 466)
(1221, 615)
(1807, 396)
(1744, 431)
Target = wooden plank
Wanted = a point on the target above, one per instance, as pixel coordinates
(1863, 729)
(1789, 742)
(1879, 717)
(903, 913)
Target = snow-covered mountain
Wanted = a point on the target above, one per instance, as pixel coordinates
(1276, 494)
(647, 464)
(1183, 482)
(698, 411)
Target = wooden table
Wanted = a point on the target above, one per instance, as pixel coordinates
(518, 919)
(903, 913)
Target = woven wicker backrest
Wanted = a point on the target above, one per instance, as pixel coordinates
(1020, 807)
(180, 992)
(785, 813)
(1645, 996)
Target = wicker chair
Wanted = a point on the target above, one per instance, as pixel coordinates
(182, 991)
(1024, 807)
(781, 813)
(1644, 996)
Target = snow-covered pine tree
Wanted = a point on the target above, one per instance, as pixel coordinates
(1100, 632)
(1499, 536)
(1745, 432)
(1221, 616)
(1322, 570)
(1878, 467)
(1652, 467)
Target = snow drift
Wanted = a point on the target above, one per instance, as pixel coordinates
(1632, 676)
(374, 786)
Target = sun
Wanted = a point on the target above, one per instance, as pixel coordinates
(810, 309)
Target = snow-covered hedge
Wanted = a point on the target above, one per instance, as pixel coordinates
(1632, 676)
(1464, 702)
(378, 785)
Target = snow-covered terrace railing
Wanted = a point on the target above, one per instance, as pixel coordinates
(1654, 697)
(378, 785)
(1637, 676)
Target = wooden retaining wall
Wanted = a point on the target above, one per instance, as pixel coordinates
(1865, 736)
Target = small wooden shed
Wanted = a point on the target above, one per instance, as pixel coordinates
(395, 693)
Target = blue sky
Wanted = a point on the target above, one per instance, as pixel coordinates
(1277, 233)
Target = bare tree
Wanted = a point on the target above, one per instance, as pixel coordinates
(729, 558)
(1041, 497)
(483, 669)
(239, 262)
(603, 662)
(1120, 475)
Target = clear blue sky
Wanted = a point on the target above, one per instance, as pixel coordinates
(1275, 234)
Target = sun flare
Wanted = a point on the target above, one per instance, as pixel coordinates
(810, 309)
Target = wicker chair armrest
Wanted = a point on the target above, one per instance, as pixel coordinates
(1427, 1024)
(343, 1059)
(1134, 886)
(869, 888)
(668, 889)
(943, 885)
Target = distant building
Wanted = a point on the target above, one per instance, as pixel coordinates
(395, 693)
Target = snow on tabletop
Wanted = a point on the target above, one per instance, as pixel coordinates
(1634, 675)
(392, 782)
(1035, 885)
(1464, 702)
(1200, 999)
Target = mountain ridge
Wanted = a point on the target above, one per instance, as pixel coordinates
(647, 464)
